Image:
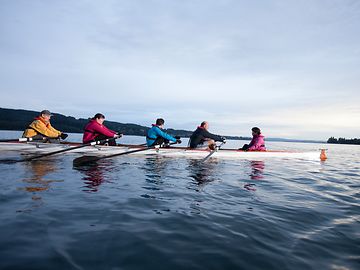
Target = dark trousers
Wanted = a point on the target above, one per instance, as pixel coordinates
(41, 138)
(103, 137)
(245, 147)
(160, 141)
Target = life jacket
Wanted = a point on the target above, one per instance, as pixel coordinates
(38, 118)
(156, 135)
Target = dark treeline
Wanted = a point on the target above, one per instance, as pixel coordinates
(11, 119)
(343, 141)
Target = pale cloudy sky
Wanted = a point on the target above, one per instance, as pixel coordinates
(290, 67)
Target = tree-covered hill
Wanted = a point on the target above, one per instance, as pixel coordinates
(343, 141)
(16, 119)
(13, 119)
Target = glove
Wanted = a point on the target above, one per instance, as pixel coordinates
(178, 141)
(63, 136)
(118, 135)
(223, 139)
(177, 137)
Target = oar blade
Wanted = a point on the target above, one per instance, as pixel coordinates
(84, 160)
(8, 161)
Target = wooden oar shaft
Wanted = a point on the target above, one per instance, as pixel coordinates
(17, 140)
(53, 153)
(68, 149)
(87, 159)
(57, 152)
(212, 152)
(28, 139)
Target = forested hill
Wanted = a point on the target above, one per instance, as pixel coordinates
(11, 119)
(343, 141)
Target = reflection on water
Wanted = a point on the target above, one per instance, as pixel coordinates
(95, 174)
(257, 173)
(36, 183)
(198, 215)
(155, 169)
(202, 172)
(257, 170)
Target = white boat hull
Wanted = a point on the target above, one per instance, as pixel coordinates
(42, 148)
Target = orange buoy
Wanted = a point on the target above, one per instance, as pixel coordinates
(323, 156)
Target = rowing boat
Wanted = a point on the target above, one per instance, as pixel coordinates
(101, 150)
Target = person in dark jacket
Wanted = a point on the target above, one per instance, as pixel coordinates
(201, 137)
(156, 136)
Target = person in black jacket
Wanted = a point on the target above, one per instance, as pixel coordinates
(201, 137)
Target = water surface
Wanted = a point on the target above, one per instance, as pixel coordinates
(178, 213)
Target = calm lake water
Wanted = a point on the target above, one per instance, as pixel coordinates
(178, 213)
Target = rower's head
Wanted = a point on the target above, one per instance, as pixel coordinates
(160, 122)
(204, 124)
(256, 131)
(46, 115)
(99, 117)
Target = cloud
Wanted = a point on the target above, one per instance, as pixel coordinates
(281, 65)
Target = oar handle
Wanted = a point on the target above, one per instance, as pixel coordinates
(212, 152)
(18, 140)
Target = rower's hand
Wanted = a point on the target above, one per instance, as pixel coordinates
(177, 137)
(178, 141)
(223, 139)
(63, 136)
(118, 135)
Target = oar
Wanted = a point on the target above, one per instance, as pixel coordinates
(212, 152)
(18, 140)
(90, 159)
(56, 152)
(28, 139)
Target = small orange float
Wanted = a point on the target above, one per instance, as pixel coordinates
(323, 156)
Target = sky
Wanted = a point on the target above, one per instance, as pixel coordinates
(290, 67)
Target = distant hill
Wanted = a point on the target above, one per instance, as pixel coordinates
(15, 119)
(11, 119)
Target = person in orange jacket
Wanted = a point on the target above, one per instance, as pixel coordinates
(41, 129)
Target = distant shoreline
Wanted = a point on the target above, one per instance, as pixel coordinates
(18, 120)
(228, 137)
(333, 140)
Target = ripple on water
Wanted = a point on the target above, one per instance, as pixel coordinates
(165, 213)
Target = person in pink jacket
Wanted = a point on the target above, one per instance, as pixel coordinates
(257, 143)
(96, 131)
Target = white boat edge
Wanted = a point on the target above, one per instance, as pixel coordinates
(42, 148)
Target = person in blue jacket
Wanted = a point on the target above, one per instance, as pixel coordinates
(156, 136)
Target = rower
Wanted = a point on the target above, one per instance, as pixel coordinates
(202, 138)
(41, 129)
(156, 136)
(95, 130)
(257, 143)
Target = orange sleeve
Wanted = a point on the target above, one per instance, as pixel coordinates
(48, 131)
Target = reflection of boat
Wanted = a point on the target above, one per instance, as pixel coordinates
(37, 183)
(38, 148)
(257, 169)
(93, 176)
(202, 173)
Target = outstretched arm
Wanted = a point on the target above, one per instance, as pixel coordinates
(164, 135)
(216, 138)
